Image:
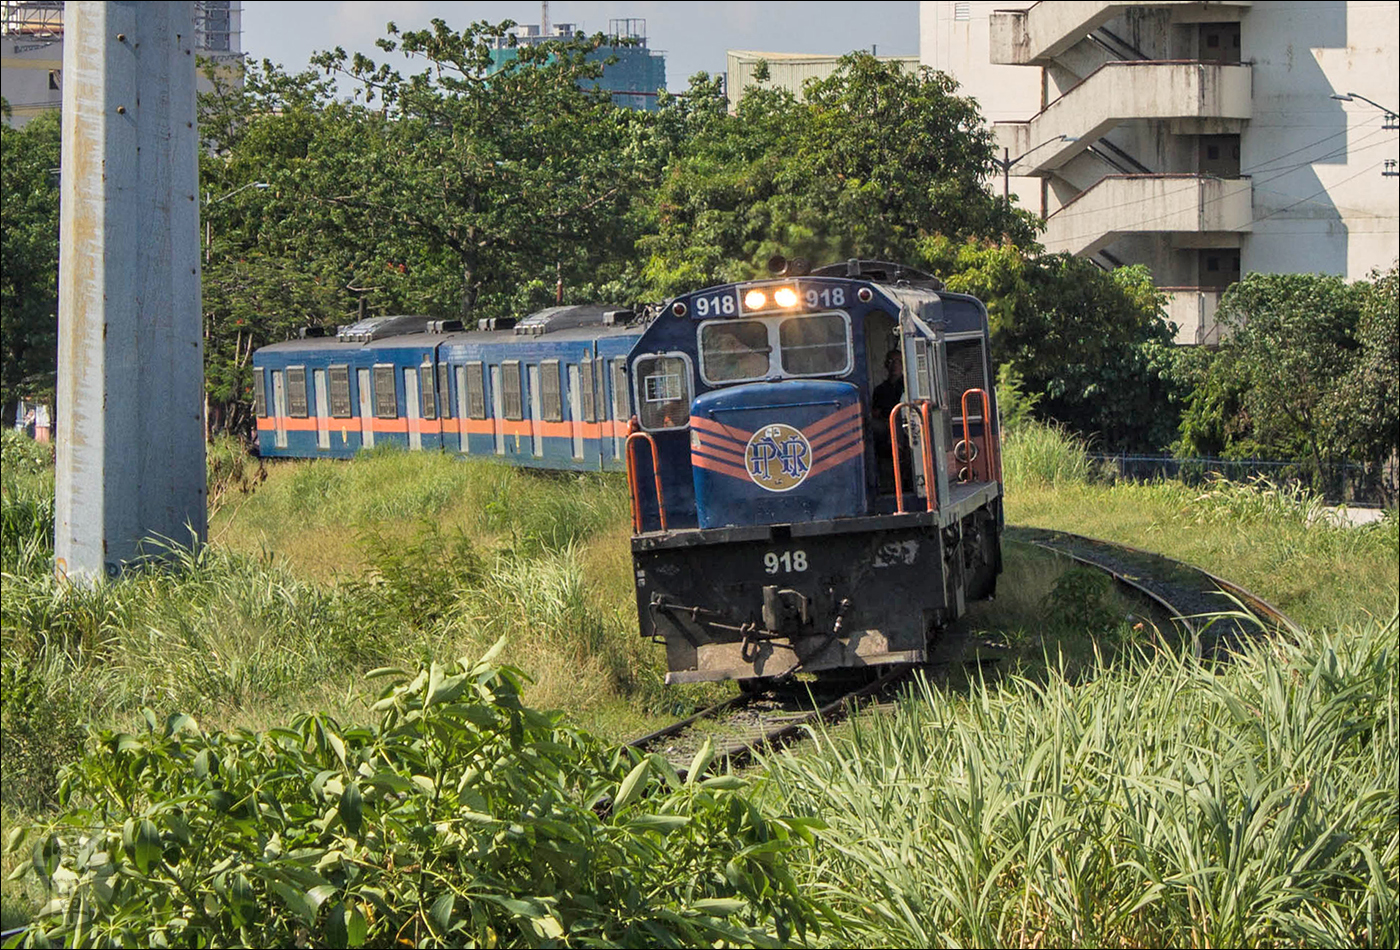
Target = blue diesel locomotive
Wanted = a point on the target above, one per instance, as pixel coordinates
(799, 502)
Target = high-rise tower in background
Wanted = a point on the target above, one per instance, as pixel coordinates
(1203, 139)
(634, 78)
(31, 49)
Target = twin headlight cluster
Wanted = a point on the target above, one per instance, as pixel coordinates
(756, 299)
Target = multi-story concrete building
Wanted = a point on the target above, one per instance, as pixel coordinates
(1204, 139)
(31, 49)
(788, 70)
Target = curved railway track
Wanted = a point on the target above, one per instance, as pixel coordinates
(1217, 614)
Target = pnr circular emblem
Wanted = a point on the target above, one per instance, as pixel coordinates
(778, 457)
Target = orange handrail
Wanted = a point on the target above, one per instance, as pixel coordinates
(634, 434)
(990, 449)
(930, 479)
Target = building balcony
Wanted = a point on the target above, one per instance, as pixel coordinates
(1189, 205)
(1180, 92)
(1036, 35)
(1192, 311)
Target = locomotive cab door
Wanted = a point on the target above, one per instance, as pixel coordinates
(922, 345)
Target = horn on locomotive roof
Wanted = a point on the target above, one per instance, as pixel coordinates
(779, 266)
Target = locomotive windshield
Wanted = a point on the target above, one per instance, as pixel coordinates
(734, 349)
(742, 350)
(814, 346)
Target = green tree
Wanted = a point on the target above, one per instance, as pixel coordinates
(1367, 403)
(497, 194)
(1277, 387)
(29, 158)
(1093, 344)
(258, 283)
(874, 161)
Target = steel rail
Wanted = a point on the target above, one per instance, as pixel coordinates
(1191, 595)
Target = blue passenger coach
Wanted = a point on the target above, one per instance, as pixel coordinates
(550, 391)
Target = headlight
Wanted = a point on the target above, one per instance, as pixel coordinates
(785, 297)
(755, 300)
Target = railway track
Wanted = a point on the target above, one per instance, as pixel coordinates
(741, 726)
(1214, 612)
(1218, 614)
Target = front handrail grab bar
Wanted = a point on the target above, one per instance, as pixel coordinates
(991, 451)
(635, 434)
(930, 479)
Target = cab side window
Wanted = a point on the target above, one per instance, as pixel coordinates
(664, 392)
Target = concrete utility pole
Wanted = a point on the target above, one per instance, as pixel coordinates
(130, 355)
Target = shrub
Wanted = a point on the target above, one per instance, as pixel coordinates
(460, 817)
(21, 455)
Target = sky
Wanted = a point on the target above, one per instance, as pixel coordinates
(694, 36)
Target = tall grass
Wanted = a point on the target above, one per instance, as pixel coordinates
(1176, 806)
(1034, 453)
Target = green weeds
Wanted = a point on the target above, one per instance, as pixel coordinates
(1170, 806)
(1038, 454)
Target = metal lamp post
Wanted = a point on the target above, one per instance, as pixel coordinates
(1005, 163)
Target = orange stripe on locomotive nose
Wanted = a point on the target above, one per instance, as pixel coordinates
(715, 465)
(836, 418)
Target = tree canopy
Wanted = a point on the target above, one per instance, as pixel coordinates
(1308, 373)
(29, 159)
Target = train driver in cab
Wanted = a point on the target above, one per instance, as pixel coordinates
(885, 397)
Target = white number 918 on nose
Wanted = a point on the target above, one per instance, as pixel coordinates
(789, 562)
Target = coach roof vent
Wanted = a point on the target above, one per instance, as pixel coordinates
(444, 326)
(495, 323)
(563, 318)
(377, 328)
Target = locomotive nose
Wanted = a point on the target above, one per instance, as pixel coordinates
(767, 455)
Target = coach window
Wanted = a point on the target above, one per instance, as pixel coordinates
(733, 350)
(814, 346)
(296, 392)
(259, 392)
(511, 389)
(426, 388)
(340, 392)
(386, 395)
(622, 409)
(553, 400)
(444, 391)
(476, 391)
(589, 411)
(663, 387)
(600, 390)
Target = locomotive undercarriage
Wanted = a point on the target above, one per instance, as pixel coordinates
(767, 601)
